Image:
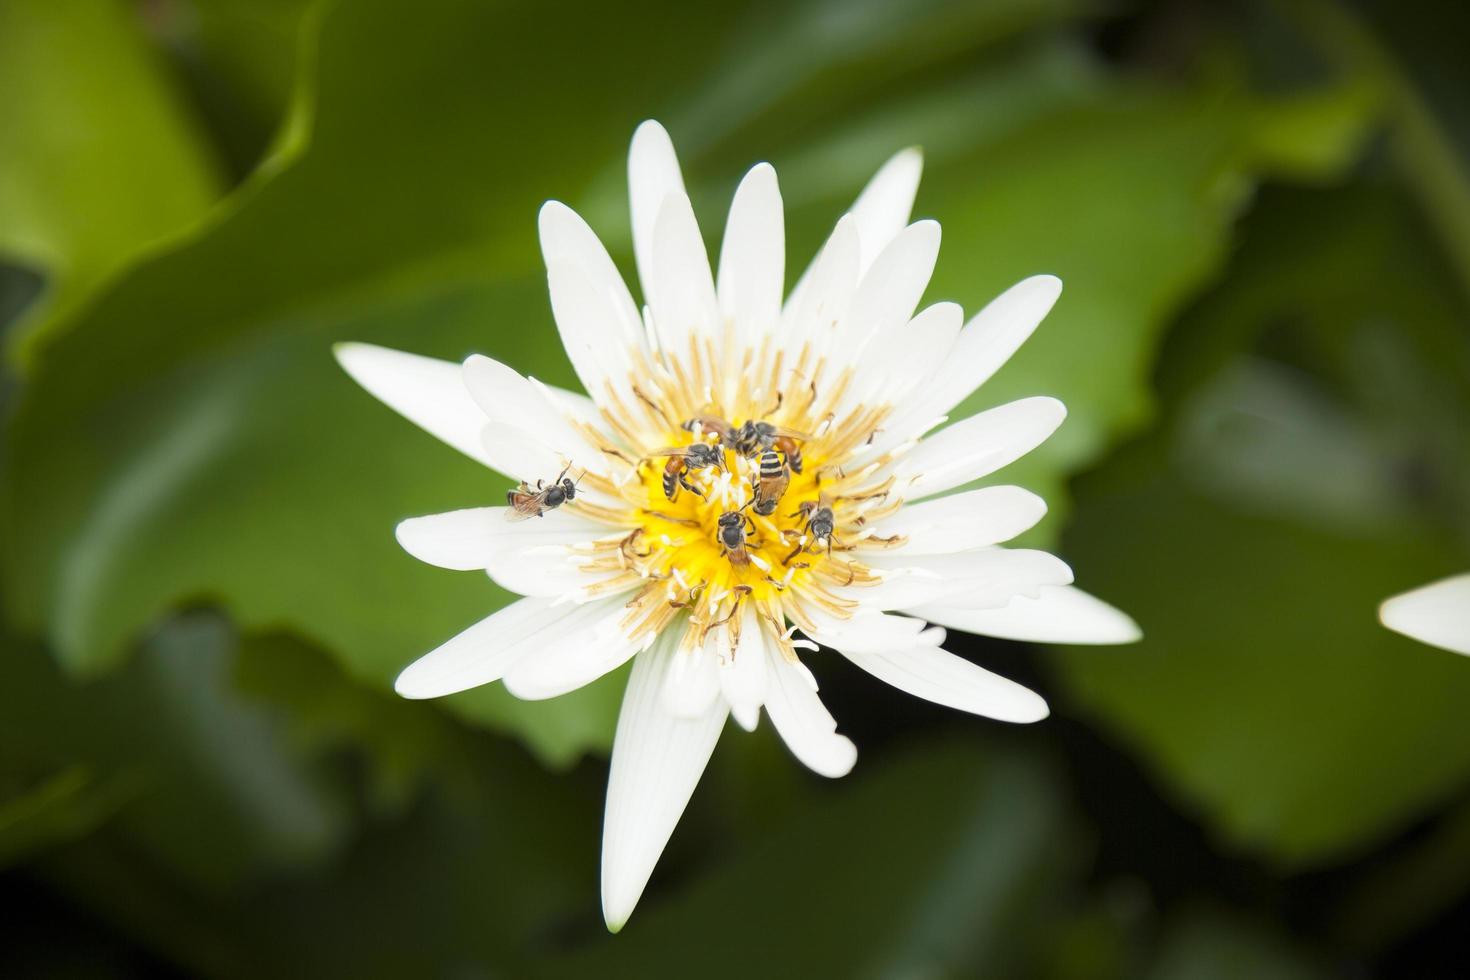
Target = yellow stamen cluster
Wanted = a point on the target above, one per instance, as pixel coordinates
(672, 550)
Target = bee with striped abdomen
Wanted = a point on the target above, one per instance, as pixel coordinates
(755, 437)
(684, 460)
(769, 482)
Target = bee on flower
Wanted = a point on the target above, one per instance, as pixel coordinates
(756, 478)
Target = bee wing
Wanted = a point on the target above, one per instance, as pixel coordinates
(797, 434)
(523, 506)
(668, 451)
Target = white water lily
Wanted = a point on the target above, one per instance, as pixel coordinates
(851, 380)
(1437, 613)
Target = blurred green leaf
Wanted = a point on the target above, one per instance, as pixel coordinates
(196, 780)
(1212, 945)
(216, 450)
(99, 159)
(63, 806)
(935, 863)
(1256, 573)
(240, 58)
(191, 438)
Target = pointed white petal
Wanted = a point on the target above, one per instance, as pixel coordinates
(595, 315)
(753, 257)
(553, 570)
(964, 521)
(890, 290)
(592, 643)
(471, 539)
(520, 403)
(743, 677)
(803, 722)
(683, 302)
(820, 301)
(980, 579)
(897, 362)
(657, 759)
(482, 653)
(883, 208)
(981, 348)
(653, 174)
(692, 683)
(428, 392)
(977, 446)
(512, 451)
(1057, 614)
(1437, 614)
(921, 668)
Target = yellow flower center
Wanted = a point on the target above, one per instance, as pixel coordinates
(713, 519)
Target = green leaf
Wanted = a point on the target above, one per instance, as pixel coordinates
(1314, 467)
(190, 776)
(63, 806)
(1212, 945)
(99, 159)
(935, 863)
(192, 440)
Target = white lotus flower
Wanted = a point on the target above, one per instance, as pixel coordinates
(622, 572)
(1437, 613)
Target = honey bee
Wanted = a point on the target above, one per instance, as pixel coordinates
(710, 425)
(684, 460)
(819, 526)
(731, 535)
(526, 501)
(769, 482)
(755, 437)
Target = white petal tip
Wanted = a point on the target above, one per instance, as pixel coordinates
(1026, 711)
(1437, 614)
(650, 134)
(746, 716)
(843, 758)
(409, 686)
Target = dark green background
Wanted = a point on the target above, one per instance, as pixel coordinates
(1262, 217)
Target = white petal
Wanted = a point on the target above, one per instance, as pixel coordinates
(653, 174)
(819, 302)
(896, 362)
(883, 207)
(592, 643)
(683, 301)
(692, 683)
(595, 315)
(657, 759)
(922, 669)
(804, 723)
(554, 571)
(981, 579)
(977, 446)
(981, 348)
(471, 539)
(890, 290)
(428, 392)
(509, 399)
(482, 653)
(743, 677)
(1058, 614)
(1437, 614)
(511, 450)
(964, 521)
(753, 257)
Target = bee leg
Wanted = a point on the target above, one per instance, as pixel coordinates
(689, 486)
(794, 552)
